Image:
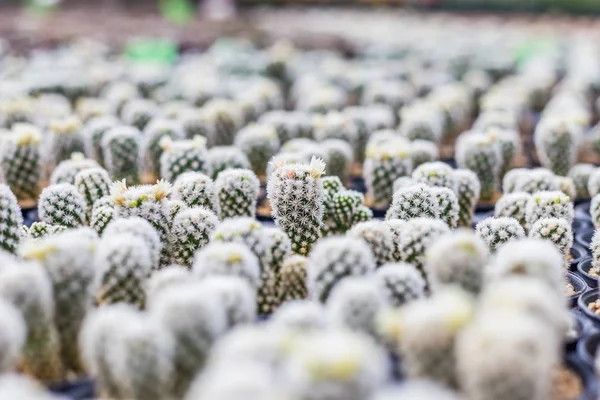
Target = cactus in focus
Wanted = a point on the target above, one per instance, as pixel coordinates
(101, 217)
(93, 184)
(558, 231)
(436, 174)
(339, 158)
(480, 154)
(422, 152)
(228, 259)
(580, 173)
(191, 231)
(11, 220)
(413, 202)
(291, 280)
(66, 138)
(447, 205)
(236, 193)
(497, 231)
(513, 205)
(557, 144)
(154, 135)
(195, 190)
(20, 161)
(378, 236)
(39, 230)
(413, 238)
(66, 170)
(468, 195)
(93, 134)
(141, 228)
(221, 158)
(259, 143)
(400, 283)
(183, 156)
(62, 204)
(549, 205)
(121, 147)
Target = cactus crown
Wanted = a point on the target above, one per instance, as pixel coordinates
(228, 258)
(435, 174)
(62, 204)
(497, 231)
(414, 201)
(237, 192)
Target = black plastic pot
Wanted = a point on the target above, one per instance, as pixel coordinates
(379, 213)
(586, 298)
(584, 237)
(578, 254)
(590, 385)
(587, 348)
(578, 284)
(582, 211)
(581, 224)
(30, 215)
(583, 267)
(78, 390)
(579, 327)
(480, 216)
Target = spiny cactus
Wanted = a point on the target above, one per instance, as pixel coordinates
(549, 205)
(335, 125)
(495, 232)
(414, 201)
(510, 146)
(16, 110)
(594, 182)
(236, 193)
(567, 186)
(296, 197)
(141, 228)
(93, 184)
(595, 211)
(121, 147)
(436, 174)
(580, 173)
(138, 112)
(535, 180)
(480, 154)
(221, 158)
(421, 122)
(20, 161)
(226, 117)
(259, 143)
(39, 230)
(12, 336)
(557, 144)
(343, 210)
(62, 204)
(513, 205)
(334, 259)
(194, 123)
(403, 182)
(123, 263)
(339, 158)
(447, 205)
(154, 133)
(168, 276)
(288, 124)
(413, 238)
(11, 220)
(291, 280)
(235, 295)
(400, 283)
(300, 315)
(423, 151)
(228, 259)
(67, 169)
(557, 230)
(181, 156)
(101, 217)
(66, 138)
(509, 181)
(281, 248)
(378, 236)
(416, 390)
(384, 164)
(195, 189)
(191, 231)
(93, 134)
(468, 189)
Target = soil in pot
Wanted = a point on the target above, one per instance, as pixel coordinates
(566, 384)
(589, 274)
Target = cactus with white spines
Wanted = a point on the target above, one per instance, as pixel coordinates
(259, 143)
(595, 211)
(168, 276)
(567, 186)
(68, 259)
(93, 134)
(121, 147)
(580, 174)
(510, 179)
(291, 280)
(195, 320)
(226, 118)
(20, 161)
(423, 151)
(400, 283)
(332, 260)
(101, 217)
(339, 158)
(87, 108)
(557, 144)
(11, 220)
(93, 184)
(228, 259)
(236, 193)
(346, 207)
(396, 227)
(221, 158)
(138, 112)
(16, 110)
(190, 232)
(195, 190)
(335, 125)
(154, 134)
(513, 205)
(65, 138)
(181, 156)
(468, 190)
(416, 390)
(384, 163)
(457, 259)
(594, 182)
(235, 295)
(413, 202)
(378, 236)
(27, 286)
(194, 123)
(141, 228)
(480, 154)
(66, 170)
(510, 146)
(13, 331)
(414, 237)
(62, 204)
(557, 230)
(448, 206)
(123, 263)
(40, 229)
(535, 180)
(403, 182)
(432, 327)
(548, 204)
(496, 232)
(175, 207)
(281, 248)
(368, 119)
(296, 196)
(300, 315)
(421, 122)
(436, 174)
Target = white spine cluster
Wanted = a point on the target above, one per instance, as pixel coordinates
(447, 205)
(227, 259)
(339, 158)
(468, 190)
(422, 152)
(62, 204)
(414, 237)
(480, 154)
(497, 231)
(195, 189)
(121, 147)
(183, 156)
(437, 174)
(513, 205)
(236, 193)
(378, 235)
(191, 230)
(11, 220)
(557, 230)
(557, 144)
(20, 160)
(221, 158)
(259, 143)
(535, 180)
(66, 170)
(413, 202)
(93, 184)
(400, 283)
(66, 138)
(94, 132)
(549, 205)
(141, 228)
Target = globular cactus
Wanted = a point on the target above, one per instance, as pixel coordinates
(549, 205)
(195, 320)
(291, 280)
(190, 232)
(413, 202)
(228, 259)
(183, 156)
(138, 112)
(123, 264)
(378, 235)
(16, 110)
(11, 220)
(343, 210)
(394, 93)
(594, 182)
(195, 190)
(296, 197)
(66, 170)
(513, 205)
(101, 217)
(423, 151)
(62, 204)
(281, 248)
(384, 164)
(595, 211)
(421, 122)
(447, 205)
(300, 315)
(510, 179)
(65, 138)
(68, 260)
(20, 161)
(154, 133)
(580, 173)
(480, 154)
(403, 182)
(400, 283)
(171, 275)
(355, 303)
(226, 117)
(221, 158)
(93, 184)
(557, 144)
(121, 147)
(141, 228)
(288, 124)
(558, 231)
(430, 330)
(436, 174)
(12, 337)
(457, 259)
(93, 134)
(39, 230)
(235, 295)
(236, 193)
(468, 190)
(87, 108)
(495, 232)
(335, 125)
(339, 158)
(175, 207)
(567, 186)
(510, 146)
(194, 123)
(119, 93)
(368, 119)
(259, 143)
(535, 180)
(332, 260)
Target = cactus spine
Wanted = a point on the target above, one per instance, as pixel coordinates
(62, 204)
(236, 193)
(121, 147)
(11, 220)
(191, 231)
(468, 189)
(20, 161)
(182, 156)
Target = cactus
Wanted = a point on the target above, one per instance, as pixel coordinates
(226, 117)
(39, 230)
(395, 93)
(468, 195)
(62, 204)
(296, 197)
(436, 174)
(194, 123)
(558, 231)
(595, 211)
(158, 130)
(567, 186)
(171, 275)
(580, 173)
(339, 158)
(68, 259)
(191, 231)
(236, 193)
(121, 147)
(384, 164)
(343, 210)
(422, 152)
(400, 283)
(368, 119)
(183, 156)
(549, 205)
(259, 143)
(235, 295)
(431, 328)
(20, 161)
(334, 259)
(594, 182)
(457, 259)
(291, 280)
(175, 207)
(300, 315)
(335, 125)
(510, 179)
(416, 390)
(93, 134)
(101, 217)
(11, 220)
(557, 144)
(138, 112)
(123, 264)
(497, 231)
(65, 138)
(378, 236)
(16, 110)
(281, 248)
(513, 205)
(480, 154)
(288, 124)
(447, 205)
(66, 170)
(13, 334)
(141, 228)
(403, 182)
(221, 158)
(421, 122)
(93, 184)
(413, 202)
(510, 146)
(535, 180)
(228, 259)
(195, 190)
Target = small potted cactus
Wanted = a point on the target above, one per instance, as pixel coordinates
(181, 156)
(236, 193)
(480, 154)
(259, 143)
(20, 161)
(496, 232)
